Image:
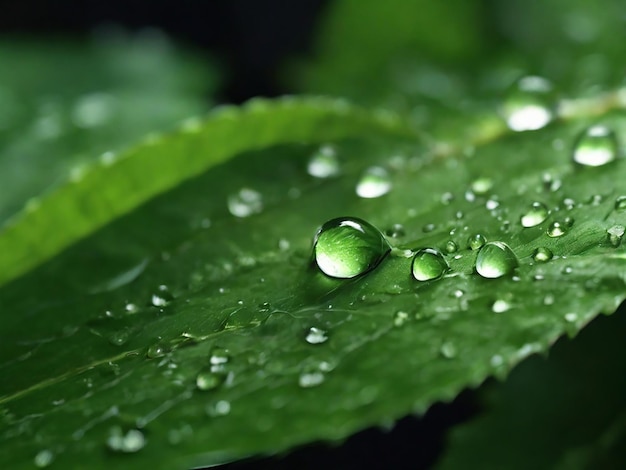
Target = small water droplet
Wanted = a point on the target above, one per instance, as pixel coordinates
(451, 247)
(495, 259)
(571, 317)
(324, 163)
(542, 254)
(535, 215)
(310, 379)
(548, 299)
(476, 241)
(162, 297)
(458, 293)
(129, 442)
(157, 350)
(245, 203)
(395, 231)
(596, 146)
(400, 318)
(347, 247)
(43, 458)
(374, 182)
(447, 198)
(529, 104)
(316, 336)
(569, 203)
(131, 308)
(500, 306)
(482, 186)
(615, 234)
(556, 229)
(492, 204)
(120, 337)
(448, 350)
(428, 264)
(209, 380)
(219, 357)
(219, 408)
(620, 204)
(428, 228)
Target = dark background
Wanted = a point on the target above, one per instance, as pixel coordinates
(250, 39)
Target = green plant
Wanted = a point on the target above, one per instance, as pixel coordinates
(161, 306)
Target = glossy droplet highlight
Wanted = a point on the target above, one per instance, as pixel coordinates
(316, 336)
(536, 214)
(245, 203)
(428, 264)
(615, 235)
(451, 247)
(495, 259)
(556, 229)
(129, 442)
(395, 231)
(476, 241)
(500, 306)
(209, 380)
(620, 204)
(596, 146)
(347, 247)
(310, 379)
(324, 163)
(542, 255)
(374, 183)
(529, 104)
(43, 458)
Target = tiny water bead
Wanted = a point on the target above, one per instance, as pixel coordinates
(395, 231)
(556, 229)
(476, 241)
(615, 234)
(529, 104)
(535, 215)
(495, 260)
(620, 204)
(482, 186)
(311, 379)
(542, 255)
(316, 336)
(209, 380)
(157, 350)
(245, 202)
(596, 146)
(129, 442)
(324, 163)
(400, 318)
(500, 306)
(374, 182)
(428, 264)
(448, 350)
(347, 247)
(451, 247)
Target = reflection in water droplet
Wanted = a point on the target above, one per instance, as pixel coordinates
(500, 306)
(132, 441)
(245, 203)
(537, 213)
(596, 146)
(620, 204)
(44, 458)
(347, 247)
(495, 259)
(542, 254)
(374, 183)
(476, 241)
(324, 163)
(615, 235)
(310, 379)
(316, 336)
(428, 264)
(529, 104)
(556, 229)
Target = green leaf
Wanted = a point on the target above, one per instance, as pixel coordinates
(566, 411)
(63, 103)
(181, 329)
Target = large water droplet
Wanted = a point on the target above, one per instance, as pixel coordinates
(245, 202)
(542, 254)
(375, 182)
(324, 163)
(556, 229)
(495, 259)
(428, 264)
(316, 336)
(347, 247)
(615, 234)
(129, 442)
(596, 146)
(476, 241)
(536, 214)
(529, 104)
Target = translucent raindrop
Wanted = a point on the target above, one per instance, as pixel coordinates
(245, 203)
(482, 186)
(347, 247)
(311, 379)
(428, 264)
(535, 215)
(615, 235)
(129, 442)
(374, 182)
(316, 336)
(476, 241)
(596, 146)
(209, 380)
(400, 318)
(156, 350)
(620, 204)
(448, 350)
(451, 247)
(43, 458)
(556, 229)
(500, 306)
(495, 259)
(395, 231)
(529, 105)
(542, 254)
(324, 163)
